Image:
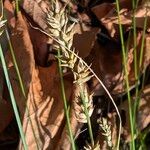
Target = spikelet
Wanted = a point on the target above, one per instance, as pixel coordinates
(62, 30)
(78, 104)
(81, 73)
(2, 22)
(103, 123)
(59, 28)
(89, 147)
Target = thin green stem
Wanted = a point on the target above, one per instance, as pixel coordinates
(17, 6)
(65, 101)
(126, 76)
(134, 41)
(140, 65)
(134, 5)
(142, 135)
(84, 100)
(20, 83)
(16, 66)
(143, 42)
(13, 99)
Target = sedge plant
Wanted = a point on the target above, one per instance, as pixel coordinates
(61, 31)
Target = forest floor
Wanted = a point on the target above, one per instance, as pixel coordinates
(78, 74)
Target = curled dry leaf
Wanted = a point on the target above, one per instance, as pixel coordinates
(101, 10)
(37, 11)
(110, 18)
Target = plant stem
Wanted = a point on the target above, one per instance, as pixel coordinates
(136, 68)
(143, 39)
(126, 77)
(21, 83)
(17, 6)
(13, 99)
(16, 66)
(65, 101)
(83, 98)
(136, 104)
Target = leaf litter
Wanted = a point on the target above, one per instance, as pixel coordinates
(97, 41)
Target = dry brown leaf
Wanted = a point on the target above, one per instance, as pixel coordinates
(110, 72)
(120, 87)
(84, 39)
(42, 86)
(41, 46)
(101, 10)
(143, 117)
(8, 7)
(114, 126)
(64, 142)
(143, 114)
(37, 10)
(110, 18)
(106, 68)
(107, 71)
(146, 57)
(6, 114)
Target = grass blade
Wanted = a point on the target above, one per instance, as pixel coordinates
(126, 76)
(12, 98)
(65, 102)
(21, 83)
